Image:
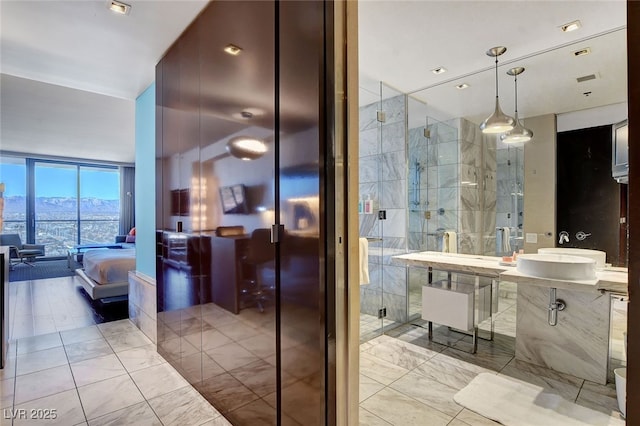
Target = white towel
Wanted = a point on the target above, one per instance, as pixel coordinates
(449, 242)
(506, 240)
(364, 261)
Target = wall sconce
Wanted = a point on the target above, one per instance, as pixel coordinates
(246, 148)
(498, 122)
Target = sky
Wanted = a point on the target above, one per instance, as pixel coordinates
(61, 181)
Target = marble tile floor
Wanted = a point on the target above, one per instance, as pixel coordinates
(105, 374)
(405, 379)
(35, 307)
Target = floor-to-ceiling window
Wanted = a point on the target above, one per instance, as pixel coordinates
(13, 174)
(60, 204)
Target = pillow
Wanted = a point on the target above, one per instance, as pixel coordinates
(130, 239)
(133, 231)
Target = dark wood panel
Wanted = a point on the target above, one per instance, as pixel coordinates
(633, 321)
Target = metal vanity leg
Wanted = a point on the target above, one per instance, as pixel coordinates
(494, 299)
(430, 330)
(475, 339)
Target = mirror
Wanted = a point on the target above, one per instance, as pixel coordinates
(493, 185)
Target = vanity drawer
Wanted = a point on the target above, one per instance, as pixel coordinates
(452, 305)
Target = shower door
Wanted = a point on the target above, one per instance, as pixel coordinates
(383, 212)
(433, 189)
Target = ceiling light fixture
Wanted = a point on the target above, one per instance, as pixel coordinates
(519, 134)
(232, 49)
(571, 26)
(439, 70)
(462, 86)
(119, 7)
(246, 147)
(498, 122)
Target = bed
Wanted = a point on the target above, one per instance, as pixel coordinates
(105, 272)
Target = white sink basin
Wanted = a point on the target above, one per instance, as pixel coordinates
(557, 266)
(599, 256)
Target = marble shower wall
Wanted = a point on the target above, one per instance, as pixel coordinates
(457, 187)
(510, 194)
(383, 179)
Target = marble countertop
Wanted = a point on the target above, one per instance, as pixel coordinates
(611, 279)
(453, 262)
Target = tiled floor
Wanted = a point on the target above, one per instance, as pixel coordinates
(110, 373)
(407, 380)
(56, 304)
(101, 374)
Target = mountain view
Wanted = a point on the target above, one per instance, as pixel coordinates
(14, 207)
(56, 221)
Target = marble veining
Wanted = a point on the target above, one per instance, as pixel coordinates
(396, 307)
(398, 408)
(394, 194)
(396, 223)
(447, 176)
(369, 143)
(577, 345)
(394, 109)
(429, 392)
(447, 153)
(393, 166)
(369, 169)
(367, 116)
(393, 137)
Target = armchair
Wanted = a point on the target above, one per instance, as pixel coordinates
(18, 252)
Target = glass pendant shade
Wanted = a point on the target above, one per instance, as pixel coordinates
(519, 134)
(498, 122)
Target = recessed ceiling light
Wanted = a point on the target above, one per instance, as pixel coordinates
(582, 52)
(232, 49)
(439, 70)
(119, 7)
(462, 86)
(571, 26)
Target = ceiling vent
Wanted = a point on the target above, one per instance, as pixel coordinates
(586, 78)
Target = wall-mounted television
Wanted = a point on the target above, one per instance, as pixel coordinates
(234, 199)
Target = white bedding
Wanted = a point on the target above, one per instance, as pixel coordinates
(109, 266)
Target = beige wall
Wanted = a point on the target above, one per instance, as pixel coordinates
(540, 183)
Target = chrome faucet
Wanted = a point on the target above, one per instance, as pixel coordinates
(564, 237)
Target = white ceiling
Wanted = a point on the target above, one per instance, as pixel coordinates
(400, 42)
(77, 47)
(95, 62)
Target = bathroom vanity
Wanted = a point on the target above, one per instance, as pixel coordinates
(578, 341)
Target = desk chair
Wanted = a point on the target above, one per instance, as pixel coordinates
(258, 283)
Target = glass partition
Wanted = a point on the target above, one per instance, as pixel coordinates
(510, 200)
(243, 156)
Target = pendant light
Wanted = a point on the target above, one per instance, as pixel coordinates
(498, 122)
(519, 134)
